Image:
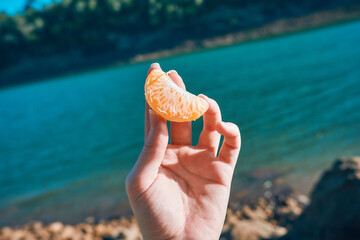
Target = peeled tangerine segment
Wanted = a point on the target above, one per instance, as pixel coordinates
(170, 101)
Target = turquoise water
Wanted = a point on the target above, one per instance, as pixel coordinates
(66, 145)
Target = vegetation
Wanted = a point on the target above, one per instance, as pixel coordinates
(119, 29)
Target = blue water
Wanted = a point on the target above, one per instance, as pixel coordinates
(67, 144)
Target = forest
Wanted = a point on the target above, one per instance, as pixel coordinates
(112, 30)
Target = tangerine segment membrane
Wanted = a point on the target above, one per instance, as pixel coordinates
(170, 101)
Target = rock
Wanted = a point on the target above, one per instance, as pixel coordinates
(69, 232)
(334, 210)
(132, 233)
(35, 227)
(55, 227)
(288, 211)
(303, 200)
(250, 224)
(255, 214)
(117, 232)
(231, 217)
(20, 234)
(262, 203)
(101, 230)
(6, 232)
(255, 230)
(86, 229)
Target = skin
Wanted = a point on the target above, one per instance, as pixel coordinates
(180, 191)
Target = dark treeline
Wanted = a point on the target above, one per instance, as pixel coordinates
(81, 29)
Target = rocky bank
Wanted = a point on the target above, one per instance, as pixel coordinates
(333, 213)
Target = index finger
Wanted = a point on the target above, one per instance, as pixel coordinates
(180, 133)
(147, 121)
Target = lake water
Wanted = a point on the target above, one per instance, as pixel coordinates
(67, 144)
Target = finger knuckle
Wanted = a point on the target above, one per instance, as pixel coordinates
(129, 181)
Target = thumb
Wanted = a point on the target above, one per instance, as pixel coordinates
(147, 166)
(155, 145)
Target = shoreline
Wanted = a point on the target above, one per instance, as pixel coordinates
(265, 183)
(269, 212)
(285, 215)
(270, 30)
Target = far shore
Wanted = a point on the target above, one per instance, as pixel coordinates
(270, 30)
(55, 66)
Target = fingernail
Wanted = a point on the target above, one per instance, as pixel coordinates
(171, 71)
(155, 64)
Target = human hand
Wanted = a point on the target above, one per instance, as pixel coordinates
(180, 191)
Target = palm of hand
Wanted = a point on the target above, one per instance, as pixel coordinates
(179, 191)
(187, 181)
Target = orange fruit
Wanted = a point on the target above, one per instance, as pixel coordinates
(170, 101)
